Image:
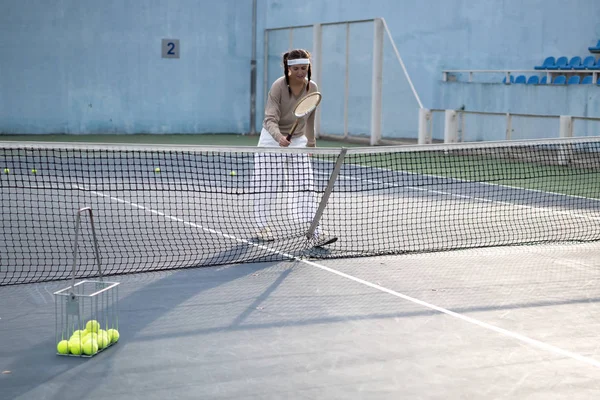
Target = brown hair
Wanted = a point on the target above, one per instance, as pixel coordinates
(294, 55)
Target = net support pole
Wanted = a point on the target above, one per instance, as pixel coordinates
(317, 63)
(327, 193)
(424, 126)
(451, 127)
(377, 82)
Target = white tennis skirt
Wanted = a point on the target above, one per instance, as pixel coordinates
(266, 140)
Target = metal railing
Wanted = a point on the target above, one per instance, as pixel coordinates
(455, 131)
(513, 72)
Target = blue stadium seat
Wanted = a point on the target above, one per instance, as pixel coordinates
(560, 80)
(587, 80)
(512, 79)
(595, 49)
(596, 65)
(588, 63)
(533, 80)
(560, 62)
(574, 80)
(574, 62)
(548, 62)
(520, 79)
(543, 81)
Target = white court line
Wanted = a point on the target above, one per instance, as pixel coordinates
(176, 219)
(504, 332)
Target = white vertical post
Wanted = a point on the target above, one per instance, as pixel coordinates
(376, 82)
(508, 126)
(566, 126)
(347, 81)
(266, 72)
(451, 127)
(291, 39)
(316, 66)
(424, 126)
(566, 131)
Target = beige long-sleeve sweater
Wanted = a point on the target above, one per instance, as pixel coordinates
(279, 112)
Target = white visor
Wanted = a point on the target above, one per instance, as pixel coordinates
(298, 61)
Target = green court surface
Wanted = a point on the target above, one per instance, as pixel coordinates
(535, 174)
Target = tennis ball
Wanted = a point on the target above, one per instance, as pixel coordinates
(90, 347)
(75, 346)
(89, 336)
(157, 170)
(63, 347)
(34, 171)
(6, 170)
(233, 173)
(92, 326)
(79, 334)
(103, 340)
(113, 334)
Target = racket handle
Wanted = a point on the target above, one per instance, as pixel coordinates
(289, 136)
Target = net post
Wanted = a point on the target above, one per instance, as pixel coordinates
(424, 126)
(316, 69)
(327, 193)
(376, 82)
(451, 127)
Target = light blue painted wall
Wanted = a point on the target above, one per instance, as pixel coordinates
(88, 66)
(433, 35)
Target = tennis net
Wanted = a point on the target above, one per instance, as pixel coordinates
(158, 208)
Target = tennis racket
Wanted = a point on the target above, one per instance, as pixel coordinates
(305, 106)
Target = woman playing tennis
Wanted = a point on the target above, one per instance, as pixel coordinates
(270, 168)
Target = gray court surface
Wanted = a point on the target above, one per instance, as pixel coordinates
(503, 323)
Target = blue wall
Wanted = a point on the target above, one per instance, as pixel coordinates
(455, 34)
(83, 66)
(88, 66)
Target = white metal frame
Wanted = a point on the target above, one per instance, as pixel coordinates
(380, 29)
(507, 73)
(451, 125)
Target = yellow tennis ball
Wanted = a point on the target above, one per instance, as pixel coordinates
(63, 347)
(6, 170)
(79, 334)
(103, 340)
(113, 334)
(90, 347)
(90, 336)
(157, 170)
(233, 173)
(92, 326)
(34, 171)
(75, 346)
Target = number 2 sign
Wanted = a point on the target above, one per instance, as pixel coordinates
(170, 48)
